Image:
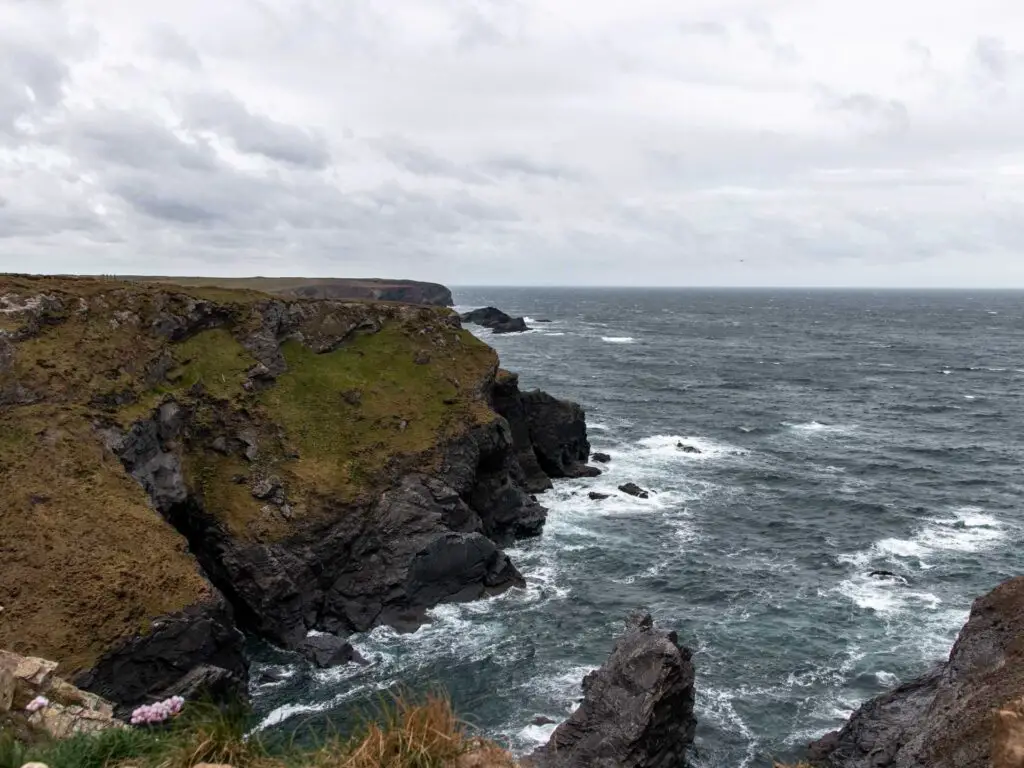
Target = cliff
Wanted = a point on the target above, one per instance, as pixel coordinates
(180, 464)
(947, 717)
(349, 289)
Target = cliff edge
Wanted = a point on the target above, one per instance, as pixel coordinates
(946, 717)
(181, 464)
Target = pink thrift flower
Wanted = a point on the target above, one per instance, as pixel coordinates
(39, 702)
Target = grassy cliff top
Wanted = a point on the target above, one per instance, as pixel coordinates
(327, 401)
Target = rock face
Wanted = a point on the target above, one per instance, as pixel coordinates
(637, 709)
(549, 435)
(67, 710)
(496, 320)
(216, 462)
(943, 719)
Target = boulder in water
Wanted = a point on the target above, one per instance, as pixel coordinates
(688, 448)
(496, 320)
(633, 489)
(603, 458)
(637, 709)
(329, 651)
(597, 496)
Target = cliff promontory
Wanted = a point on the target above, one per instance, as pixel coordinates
(179, 464)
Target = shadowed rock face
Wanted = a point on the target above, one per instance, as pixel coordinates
(637, 708)
(943, 719)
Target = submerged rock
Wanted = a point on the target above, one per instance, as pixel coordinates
(633, 489)
(597, 496)
(637, 708)
(944, 718)
(604, 458)
(329, 651)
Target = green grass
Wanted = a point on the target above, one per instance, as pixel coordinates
(213, 358)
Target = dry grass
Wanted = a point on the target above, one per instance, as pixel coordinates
(425, 734)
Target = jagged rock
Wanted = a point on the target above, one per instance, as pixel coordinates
(604, 458)
(688, 448)
(69, 710)
(140, 667)
(637, 708)
(207, 683)
(632, 489)
(266, 487)
(542, 720)
(329, 651)
(496, 320)
(944, 718)
(558, 431)
(597, 496)
(507, 401)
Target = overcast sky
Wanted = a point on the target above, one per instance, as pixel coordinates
(557, 142)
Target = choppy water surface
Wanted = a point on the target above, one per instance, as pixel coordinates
(840, 432)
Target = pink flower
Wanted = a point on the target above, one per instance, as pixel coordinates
(39, 702)
(157, 712)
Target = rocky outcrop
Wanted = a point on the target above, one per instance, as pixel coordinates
(943, 719)
(496, 320)
(34, 701)
(336, 288)
(637, 708)
(309, 467)
(549, 435)
(632, 489)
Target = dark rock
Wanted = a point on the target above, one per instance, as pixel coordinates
(634, 490)
(352, 396)
(603, 458)
(883, 575)
(558, 432)
(542, 320)
(496, 320)
(942, 719)
(595, 496)
(179, 650)
(207, 683)
(542, 720)
(637, 709)
(507, 401)
(688, 448)
(329, 651)
(582, 470)
(270, 676)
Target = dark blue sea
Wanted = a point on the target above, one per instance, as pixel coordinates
(840, 432)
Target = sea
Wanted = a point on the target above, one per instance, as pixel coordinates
(839, 433)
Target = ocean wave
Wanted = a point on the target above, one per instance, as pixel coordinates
(811, 427)
(618, 339)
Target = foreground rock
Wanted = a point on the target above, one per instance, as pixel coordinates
(60, 709)
(637, 709)
(632, 489)
(496, 320)
(182, 464)
(943, 719)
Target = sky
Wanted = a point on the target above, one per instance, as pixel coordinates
(517, 142)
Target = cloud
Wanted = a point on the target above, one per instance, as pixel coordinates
(724, 142)
(254, 133)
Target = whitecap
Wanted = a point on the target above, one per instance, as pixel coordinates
(817, 426)
(970, 397)
(618, 339)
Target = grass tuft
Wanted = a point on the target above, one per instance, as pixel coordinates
(405, 734)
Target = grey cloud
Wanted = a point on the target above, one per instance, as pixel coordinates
(875, 113)
(764, 33)
(524, 166)
(128, 139)
(31, 80)
(704, 29)
(168, 44)
(997, 62)
(256, 134)
(421, 161)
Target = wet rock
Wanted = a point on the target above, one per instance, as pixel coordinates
(603, 458)
(329, 651)
(637, 709)
(558, 432)
(597, 496)
(688, 448)
(632, 489)
(496, 320)
(542, 720)
(944, 718)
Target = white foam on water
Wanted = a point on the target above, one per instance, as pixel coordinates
(537, 735)
(666, 448)
(970, 397)
(885, 596)
(969, 529)
(618, 339)
(812, 427)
